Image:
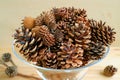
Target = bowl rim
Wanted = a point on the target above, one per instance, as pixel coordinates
(59, 70)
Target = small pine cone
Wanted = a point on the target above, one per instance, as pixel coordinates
(40, 31)
(28, 43)
(43, 32)
(50, 60)
(70, 56)
(101, 32)
(95, 51)
(49, 20)
(28, 22)
(110, 70)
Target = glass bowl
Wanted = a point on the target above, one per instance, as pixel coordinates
(59, 74)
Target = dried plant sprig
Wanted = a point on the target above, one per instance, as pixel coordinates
(11, 71)
(2, 62)
(6, 57)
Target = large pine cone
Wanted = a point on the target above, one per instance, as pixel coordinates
(101, 32)
(28, 43)
(82, 35)
(70, 56)
(95, 51)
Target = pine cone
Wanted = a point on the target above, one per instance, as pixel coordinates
(101, 32)
(29, 44)
(70, 56)
(40, 31)
(74, 16)
(50, 60)
(49, 20)
(80, 34)
(43, 32)
(68, 15)
(49, 40)
(22, 35)
(110, 70)
(59, 13)
(95, 51)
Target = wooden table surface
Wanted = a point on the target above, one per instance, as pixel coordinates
(94, 73)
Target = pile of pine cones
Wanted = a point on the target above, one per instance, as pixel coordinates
(63, 38)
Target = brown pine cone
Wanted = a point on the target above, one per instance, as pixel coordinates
(74, 16)
(50, 60)
(110, 70)
(59, 13)
(102, 33)
(40, 31)
(49, 20)
(43, 32)
(82, 35)
(68, 15)
(29, 44)
(70, 56)
(95, 51)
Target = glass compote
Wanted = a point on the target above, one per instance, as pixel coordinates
(59, 74)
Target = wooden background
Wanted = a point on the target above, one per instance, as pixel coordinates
(13, 11)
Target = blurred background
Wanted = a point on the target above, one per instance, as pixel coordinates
(13, 11)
